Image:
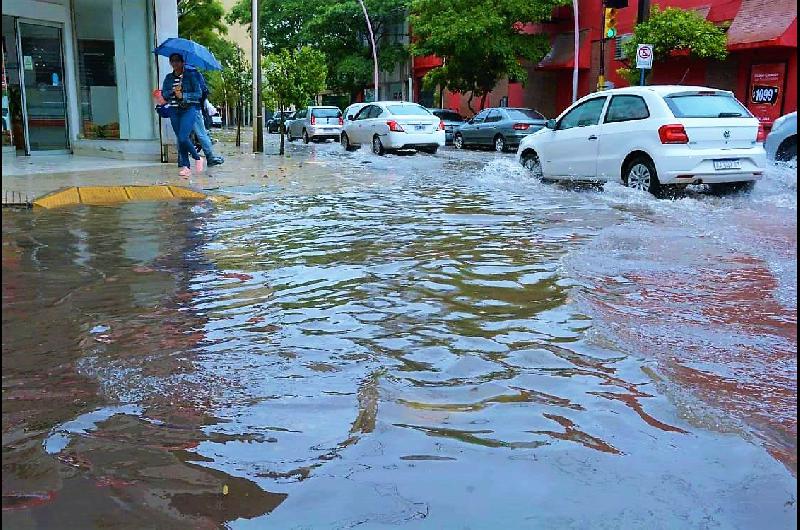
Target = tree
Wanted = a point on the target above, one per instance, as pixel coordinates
(672, 31)
(292, 79)
(203, 22)
(335, 26)
(480, 41)
(232, 86)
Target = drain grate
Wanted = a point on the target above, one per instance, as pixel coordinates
(16, 199)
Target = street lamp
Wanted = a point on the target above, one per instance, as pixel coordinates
(577, 46)
(374, 49)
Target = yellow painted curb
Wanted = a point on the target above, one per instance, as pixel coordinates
(104, 195)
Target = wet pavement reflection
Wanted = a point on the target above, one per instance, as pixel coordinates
(426, 341)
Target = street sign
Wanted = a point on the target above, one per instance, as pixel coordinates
(644, 56)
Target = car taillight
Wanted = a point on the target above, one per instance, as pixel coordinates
(521, 126)
(394, 126)
(341, 120)
(441, 125)
(313, 120)
(673, 134)
(761, 137)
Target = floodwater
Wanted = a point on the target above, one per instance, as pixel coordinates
(404, 342)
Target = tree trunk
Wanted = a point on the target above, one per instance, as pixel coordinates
(469, 102)
(483, 100)
(283, 128)
(239, 123)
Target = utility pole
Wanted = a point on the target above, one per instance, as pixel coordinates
(577, 51)
(643, 11)
(257, 116)
(374, 49)
(601, 78)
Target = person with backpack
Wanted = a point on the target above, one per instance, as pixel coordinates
(182, 90)
(200, 128)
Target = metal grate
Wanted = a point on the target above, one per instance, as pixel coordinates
(622, 39)
(16, 199)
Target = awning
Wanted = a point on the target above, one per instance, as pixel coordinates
(764, 23)
(562, 52)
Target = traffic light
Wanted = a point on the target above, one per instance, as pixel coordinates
(610, 27)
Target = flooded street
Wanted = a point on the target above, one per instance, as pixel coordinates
(404, 341)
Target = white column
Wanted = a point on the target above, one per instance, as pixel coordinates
(166, 22)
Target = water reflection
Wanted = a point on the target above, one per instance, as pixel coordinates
(390, 340)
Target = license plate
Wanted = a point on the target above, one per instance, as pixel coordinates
(727, 164)
(419, 127)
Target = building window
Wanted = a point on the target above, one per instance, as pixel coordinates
(98, 96)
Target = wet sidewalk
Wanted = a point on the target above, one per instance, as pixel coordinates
(39, 175)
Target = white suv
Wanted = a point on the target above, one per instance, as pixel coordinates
(649, 137)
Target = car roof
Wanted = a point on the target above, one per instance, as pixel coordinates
(661, 90)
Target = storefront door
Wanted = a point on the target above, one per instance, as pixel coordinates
(44, 99)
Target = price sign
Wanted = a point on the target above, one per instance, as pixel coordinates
(644, 56)
(767, 82)
(764, 95)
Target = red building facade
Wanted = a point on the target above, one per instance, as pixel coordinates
(761, 68)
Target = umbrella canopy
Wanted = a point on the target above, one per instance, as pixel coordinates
(194, 54)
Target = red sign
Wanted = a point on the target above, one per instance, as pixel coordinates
(765, 99)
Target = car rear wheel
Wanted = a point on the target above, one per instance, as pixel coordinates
(345, 141)
(500, 143)
(289, 136)
(458, 141)
(640, 174)
(377, 146)
(430, 150)
(787, 152)
(531, 162)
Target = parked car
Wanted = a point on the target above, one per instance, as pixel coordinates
(393, 125)
(649, 137)
(501, 128)
(274, 123)
(452, 121)
(781, 144)
(315, 123)
(216, 121)
(351, 111)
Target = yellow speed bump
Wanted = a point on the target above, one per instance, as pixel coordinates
(105, 195)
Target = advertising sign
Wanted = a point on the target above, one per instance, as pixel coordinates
(765, 99)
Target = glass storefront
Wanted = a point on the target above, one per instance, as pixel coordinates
(34, 99)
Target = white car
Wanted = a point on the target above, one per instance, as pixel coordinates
(649, 137)
(351, 111)
(392, 125)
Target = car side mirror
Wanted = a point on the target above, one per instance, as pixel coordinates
(470, 122)
(550, 124)
(350, 117)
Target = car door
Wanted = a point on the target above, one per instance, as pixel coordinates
(570, 151)
(374, 124)
(470, 130)
(299, 123)
(489, 127)
(358, 132)
(625, 128)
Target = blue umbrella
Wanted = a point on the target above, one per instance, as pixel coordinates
(194, 54)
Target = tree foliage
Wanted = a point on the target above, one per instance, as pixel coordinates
(203, 22)
(293, 78)
(338, 28)
(675, 30)
(480, 41)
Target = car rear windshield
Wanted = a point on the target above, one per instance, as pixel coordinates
(449, 116)
(408, 110)
(524, 114)
(706, 105)
(326, 113)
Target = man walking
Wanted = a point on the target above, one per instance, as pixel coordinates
(199, 126)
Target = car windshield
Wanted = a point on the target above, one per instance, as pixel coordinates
(524, 114)
(449, 115)
(326, 113)
(408, 110)
(706, 105)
